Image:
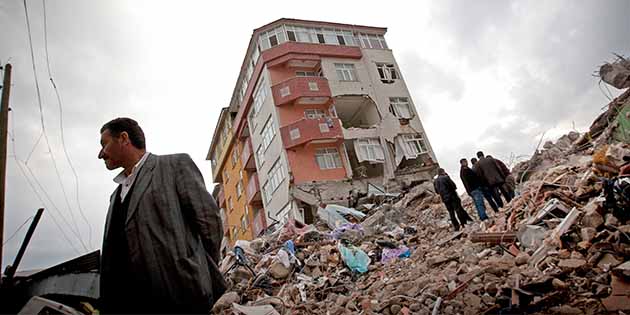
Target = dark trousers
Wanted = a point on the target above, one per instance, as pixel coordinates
(454, 206)
(504, 191)
(493, 198)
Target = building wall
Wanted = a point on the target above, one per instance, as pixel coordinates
(237, 209)
(222, 145)
(304, 167)
(274, 151)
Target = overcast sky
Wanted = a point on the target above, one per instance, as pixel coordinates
(489, 75)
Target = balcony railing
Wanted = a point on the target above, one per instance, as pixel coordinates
(247, 156)
(253, 190)
(301, 90)
(306, 130)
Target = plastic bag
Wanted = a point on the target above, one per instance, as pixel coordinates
(355, 258)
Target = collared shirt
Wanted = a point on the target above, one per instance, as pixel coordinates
(127, 181)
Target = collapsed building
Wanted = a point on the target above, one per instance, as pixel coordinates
(561, 246)
(320, 114)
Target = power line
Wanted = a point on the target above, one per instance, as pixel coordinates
(41, 114)
(63, 141)
(16, 231)
(30, 183)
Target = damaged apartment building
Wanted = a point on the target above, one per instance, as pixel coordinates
(320, 112)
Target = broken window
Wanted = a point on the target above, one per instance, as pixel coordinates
(328, 158)
(387, 72)
(346, 72)
(314, 113)
(399, 106)
(369, 150)
(415, 144)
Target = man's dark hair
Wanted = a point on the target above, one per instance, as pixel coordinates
(441, 171)
(473, 160)
(463, 160)
(119, 125)
(479, 154)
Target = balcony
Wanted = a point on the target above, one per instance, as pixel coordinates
(221, 198)
(247, 156)
(301, 90)
(311, 130)
(253, 190)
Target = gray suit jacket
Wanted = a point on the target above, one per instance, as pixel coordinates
(174, 233)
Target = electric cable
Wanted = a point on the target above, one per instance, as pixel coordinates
(63, 141)
(41, 114)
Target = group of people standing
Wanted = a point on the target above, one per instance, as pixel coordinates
(488, 179)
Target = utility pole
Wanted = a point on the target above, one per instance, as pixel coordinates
(4, 124)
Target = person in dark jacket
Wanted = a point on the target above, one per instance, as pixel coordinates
(488, 169)
(509, 184)
(472, 184)
(163, 231)
(447, 189)
(493, 198)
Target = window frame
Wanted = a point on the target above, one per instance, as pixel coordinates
(346, 69)
(330, 156)
(370, 145)
(418, 140)
(395, 104)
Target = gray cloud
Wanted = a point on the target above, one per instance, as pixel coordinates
(173, 68)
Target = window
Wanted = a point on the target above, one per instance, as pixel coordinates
(229, 204)
(372, 41)
(314, 113)
(371, 149)
(239, 189)
(285, 91)
(260, 155)
(234, 156)
(226, 176)
(260, 94)
(399, 106)
(324, 127)
(239, 186)
(328, 158)
(276, 175)
(387, 72)
(272, 38)
(268, 132)
(415, 143)
(294, 134)
(307, 74)
(312, 86)
(244, 223)
(346, 72)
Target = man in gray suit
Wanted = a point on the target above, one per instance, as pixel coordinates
(163, 231)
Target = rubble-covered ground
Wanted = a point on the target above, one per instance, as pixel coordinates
(557, 248)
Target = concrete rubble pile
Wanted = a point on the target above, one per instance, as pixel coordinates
(557, 248)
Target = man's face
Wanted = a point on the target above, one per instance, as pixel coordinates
(111, 150)
(463, 163)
